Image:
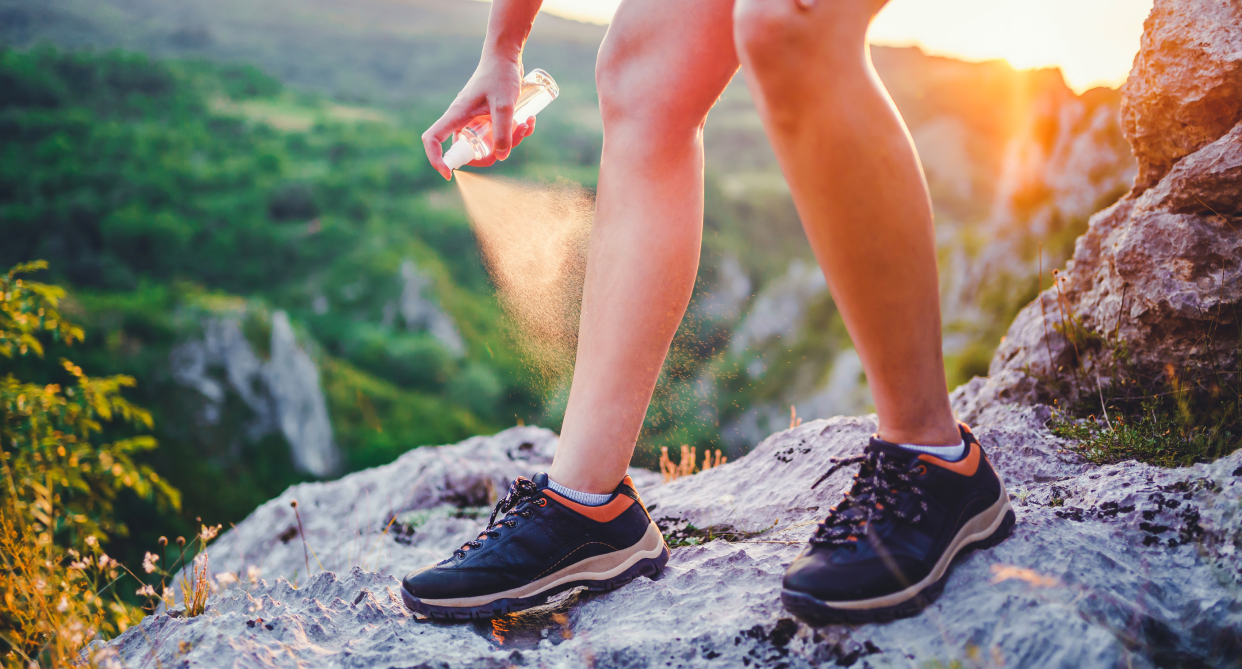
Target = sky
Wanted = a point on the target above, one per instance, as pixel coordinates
(1092, 41)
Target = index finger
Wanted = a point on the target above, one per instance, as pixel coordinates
(434, 137)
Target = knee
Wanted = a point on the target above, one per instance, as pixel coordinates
(624, 74)
(779, 34)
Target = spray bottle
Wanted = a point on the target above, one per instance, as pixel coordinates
(474, 142)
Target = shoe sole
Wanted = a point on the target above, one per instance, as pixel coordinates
(999, 519)
(602, 573)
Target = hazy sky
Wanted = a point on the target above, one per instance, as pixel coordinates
(1092, 41)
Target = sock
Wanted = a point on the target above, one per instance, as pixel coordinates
(949, 453)
(587, 498)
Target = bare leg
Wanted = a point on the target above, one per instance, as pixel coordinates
(860, 192)
(661, 68)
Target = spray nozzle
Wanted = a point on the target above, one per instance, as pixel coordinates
(459, 154)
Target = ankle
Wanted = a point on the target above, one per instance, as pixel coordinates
(589, 483)
(938, 435)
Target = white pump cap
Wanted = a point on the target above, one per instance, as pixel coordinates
(458, 154)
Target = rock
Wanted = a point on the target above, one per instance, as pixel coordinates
(421, 313)
(301, 411)
(845, 393)
(781, 307)
(1123, 565)
(732, 289)
(431, 499)
(1186, 86)
(283, 393)
(1160, 270)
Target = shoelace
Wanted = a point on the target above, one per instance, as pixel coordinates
(521, 490)
(877, 492)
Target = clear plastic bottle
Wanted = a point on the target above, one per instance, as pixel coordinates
(474, 142)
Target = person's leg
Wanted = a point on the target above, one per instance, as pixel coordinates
(662, 66)
(861, 194)
(885, 550)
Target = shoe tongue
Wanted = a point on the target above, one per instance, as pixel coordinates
(540, 480)
(891, 451)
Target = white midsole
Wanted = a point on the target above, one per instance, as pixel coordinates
(980, 527)
(598, 568)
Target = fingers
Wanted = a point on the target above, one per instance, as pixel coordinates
(454, 119)
(502, 127)
(521, 132)
(434, 137)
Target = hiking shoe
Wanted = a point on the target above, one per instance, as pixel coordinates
(546, 544)
(885, 551)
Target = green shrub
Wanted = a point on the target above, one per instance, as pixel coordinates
(61, 480)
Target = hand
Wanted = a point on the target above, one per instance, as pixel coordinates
(491, 91)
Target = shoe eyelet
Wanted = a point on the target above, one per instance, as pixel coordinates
(921, 470)
(542, 501)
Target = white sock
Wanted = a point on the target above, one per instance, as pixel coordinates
(949, 453)
(587, 498)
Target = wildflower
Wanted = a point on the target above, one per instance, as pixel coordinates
(91, 541)
(225, 579)
(168, 596)
(209, 533)
(104, 561)
(63, 605)
(252, 573)
(148, 562)
(146, 591)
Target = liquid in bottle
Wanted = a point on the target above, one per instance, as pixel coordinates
(474, 142)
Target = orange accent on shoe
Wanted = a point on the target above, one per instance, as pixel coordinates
(600, 514)
(967, 466)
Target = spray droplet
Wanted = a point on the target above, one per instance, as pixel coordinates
(533, 237)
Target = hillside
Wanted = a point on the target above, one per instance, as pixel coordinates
(246, 203)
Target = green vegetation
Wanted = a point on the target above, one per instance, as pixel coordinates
(166, 200)
(67, 452)
(1183, 416)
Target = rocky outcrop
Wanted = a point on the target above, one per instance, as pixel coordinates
(283, 393)
(1161, 270)
(1185, 91)
(421, 313)
(301, 411)
(1124, 565)
(779, 311)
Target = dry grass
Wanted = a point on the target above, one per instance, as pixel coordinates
(687, 464)
(55, 600)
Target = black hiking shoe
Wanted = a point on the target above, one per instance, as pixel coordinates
(546, 544)
(885, 551)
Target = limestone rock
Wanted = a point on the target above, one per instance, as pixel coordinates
(1161, 269)
(1185, 90)
(781, 307)
(421, 313)
(283, 393)
(301, 411)
(1123, 565)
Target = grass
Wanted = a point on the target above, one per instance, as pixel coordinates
(1184, 415)
(688, 464)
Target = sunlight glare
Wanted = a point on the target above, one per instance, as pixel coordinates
(1092, 41)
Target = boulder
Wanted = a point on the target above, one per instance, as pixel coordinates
(1124, 565)
(1159, 273)
(1185, 90)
